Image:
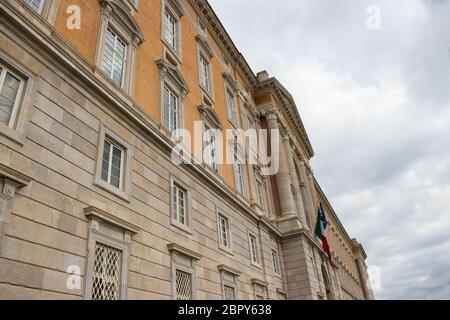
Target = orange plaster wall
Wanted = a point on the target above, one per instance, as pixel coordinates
(84, 40)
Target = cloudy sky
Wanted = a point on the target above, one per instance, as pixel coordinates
(376, 105)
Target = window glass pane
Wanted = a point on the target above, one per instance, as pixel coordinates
(115, 167)
(35, 5)
(105, 161)
(170, 30)
(170, 110)
(114, 53)
(9, 90)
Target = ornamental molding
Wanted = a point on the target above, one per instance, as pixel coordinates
(174, 247)
(166, 69)
(228, 269)
(260, 282)
(204, 44)
(209, 16)
(288, 107)
(210, 115)
(122, 13)
(177, 6)
(92, 211)
(16, 177)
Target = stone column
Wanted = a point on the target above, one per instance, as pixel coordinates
(282, 177)
(362, 269)
(295, 181)
(310, 203)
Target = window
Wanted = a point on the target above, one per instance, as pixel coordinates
(183, 285)
(224, 231)
(238, 169)
(179, 204)
(119, 37)
(260, 194)
(36, 5)
(253, 249)
(114, 57)
(275, 261)
(205, 77)
(260, 289)
(211, 149)
(108, 255)
(183, 272)
(171, 113)
(10, 93)
(113, 171)
(229, 278)
(229, 293)
(281, 295)
(170, 30)
(231, 107)
(112, 164)
(106, 280)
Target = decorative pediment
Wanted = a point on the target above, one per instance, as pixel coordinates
(174, 74)
(177, 6)
(205, 45)
(124, 16)
(210, 115)
(230, 81)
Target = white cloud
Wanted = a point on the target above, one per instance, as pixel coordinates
(376, 105)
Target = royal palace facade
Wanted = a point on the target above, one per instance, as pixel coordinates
(92, 205)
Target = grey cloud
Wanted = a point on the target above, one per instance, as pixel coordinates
(376, 105)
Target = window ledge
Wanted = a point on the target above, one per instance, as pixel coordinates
(113, 190)
(226, 249)
(182, 227)
(256, 265)
(12, 134)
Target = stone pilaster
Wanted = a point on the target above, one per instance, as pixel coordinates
(295, 181)
(12, 181)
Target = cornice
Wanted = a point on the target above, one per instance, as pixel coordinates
(111, 219)
(209, 16)
(288, 107)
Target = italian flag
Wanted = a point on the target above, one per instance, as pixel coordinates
(321, 228)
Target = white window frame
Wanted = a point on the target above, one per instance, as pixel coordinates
(239, 161)
(113, 146)
(260, 189)
(4, 71)
(124, 25)
(47, 9)
(171, 78)
(187, 226)
(254, 252)
(41, 5)
(16, 128)
(229, 246)
(208, 72)
(178, 107)
(232, 110)
(276, 261)
(124, 190)
(175, 10)
(117, 40)
(212, 161)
